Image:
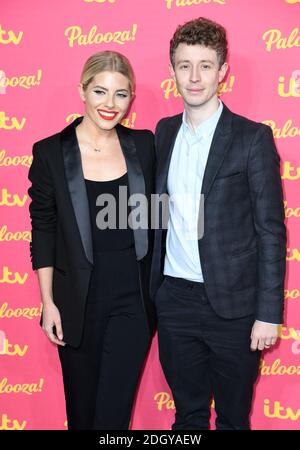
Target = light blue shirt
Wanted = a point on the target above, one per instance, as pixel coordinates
(184, 185)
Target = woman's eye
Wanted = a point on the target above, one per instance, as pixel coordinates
(122, 95)
(99, 92)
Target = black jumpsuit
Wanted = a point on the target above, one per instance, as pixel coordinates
(101, 375)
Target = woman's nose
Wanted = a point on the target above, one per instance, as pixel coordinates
(110, 101)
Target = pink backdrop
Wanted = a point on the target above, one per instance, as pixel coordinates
(43, 46)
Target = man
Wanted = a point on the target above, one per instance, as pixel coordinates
(219, 295)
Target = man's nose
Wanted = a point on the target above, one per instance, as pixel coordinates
(194, 75)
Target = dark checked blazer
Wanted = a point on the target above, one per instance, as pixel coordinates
(243, 249)
(61, 229)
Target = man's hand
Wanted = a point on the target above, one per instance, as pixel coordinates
(263, 335)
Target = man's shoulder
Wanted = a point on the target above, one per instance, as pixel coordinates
(244, 124)
(169, 121)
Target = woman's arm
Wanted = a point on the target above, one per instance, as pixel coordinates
(42, 247)
(42, 211)
(45, 276)
(51, 315)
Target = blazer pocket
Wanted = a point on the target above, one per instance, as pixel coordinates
(237, 176)
(239, 253)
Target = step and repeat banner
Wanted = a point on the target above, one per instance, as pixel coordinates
(43, 46)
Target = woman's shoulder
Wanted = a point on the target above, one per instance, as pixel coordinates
(141, 137)
(141, 132)
(49, 145)
(137, 133)
(143, 140)
(47, 141)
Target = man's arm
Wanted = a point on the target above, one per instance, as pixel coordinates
(268, 213)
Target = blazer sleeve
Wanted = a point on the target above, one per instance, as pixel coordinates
(42, 211)
(158, 137)
(268, 213)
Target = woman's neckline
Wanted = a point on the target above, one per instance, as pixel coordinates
(106, 181)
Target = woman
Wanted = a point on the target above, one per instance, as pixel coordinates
(94, 280)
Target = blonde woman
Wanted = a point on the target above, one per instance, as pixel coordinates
(94, 279)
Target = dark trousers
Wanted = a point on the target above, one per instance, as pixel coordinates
(204, 355)
(101, 375)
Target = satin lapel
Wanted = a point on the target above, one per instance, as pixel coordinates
(219, 147)
(165, 147)
(76, 185)
(136, 185)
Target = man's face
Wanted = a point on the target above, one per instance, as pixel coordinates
(197, 74)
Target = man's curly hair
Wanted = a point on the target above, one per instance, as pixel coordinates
(204, 32)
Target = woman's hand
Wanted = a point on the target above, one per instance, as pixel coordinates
(51, 318)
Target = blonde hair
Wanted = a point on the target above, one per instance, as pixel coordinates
(107, 61)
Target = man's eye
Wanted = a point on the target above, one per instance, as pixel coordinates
(205, 66)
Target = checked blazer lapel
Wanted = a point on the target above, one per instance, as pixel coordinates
(220, 144)
(165, 148)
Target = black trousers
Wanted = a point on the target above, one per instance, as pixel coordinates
(204, 355)
(101, 375)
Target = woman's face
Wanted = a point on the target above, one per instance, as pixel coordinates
(107, 99)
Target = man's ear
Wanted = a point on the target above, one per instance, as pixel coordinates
(223, 71)
(172, 72)
(81, 92)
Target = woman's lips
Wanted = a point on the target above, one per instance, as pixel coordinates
(107, 115)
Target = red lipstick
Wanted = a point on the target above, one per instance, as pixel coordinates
(107, 115)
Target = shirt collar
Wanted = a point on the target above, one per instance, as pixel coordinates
(207, 127)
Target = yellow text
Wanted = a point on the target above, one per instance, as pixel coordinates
(7, 161)
(183, 3)
(75, 36)
(23, 81)
(274, 39)
(290, 172)
(12, 277)
(5, 199)
(7, 123)
(11, 424)
(24, 388)
(276, 368)
(12, 349)
(280, 412)
(27, 312)
(10, 37)
(8, 236)
(289, 130)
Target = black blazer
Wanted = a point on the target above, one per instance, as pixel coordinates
(243, 249)
(61, 229)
